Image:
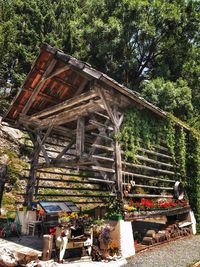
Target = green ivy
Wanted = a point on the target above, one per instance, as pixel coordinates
(143, 129)
(170, 136)
(193, 174)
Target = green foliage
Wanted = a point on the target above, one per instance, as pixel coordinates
(193, 173)
(140, 128)
(174, 97)
(181, 147)
(113, 208)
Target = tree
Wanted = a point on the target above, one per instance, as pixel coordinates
(174, 97)
(133, 40)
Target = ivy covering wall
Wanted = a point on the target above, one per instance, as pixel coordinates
(142, 128)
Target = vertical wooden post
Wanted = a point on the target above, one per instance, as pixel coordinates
(30, 188)
(80, 136)
(118, 165)
(118, 162)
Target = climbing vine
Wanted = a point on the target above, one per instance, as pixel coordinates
(141, 129)
(193, 174)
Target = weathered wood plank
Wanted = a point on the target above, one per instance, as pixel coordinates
(72, 115)
(66, 104)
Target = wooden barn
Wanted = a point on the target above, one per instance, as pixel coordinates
(73, 114)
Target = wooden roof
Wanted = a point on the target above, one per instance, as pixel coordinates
(56, 77)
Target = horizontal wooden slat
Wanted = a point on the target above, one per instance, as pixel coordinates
(102, 158)
(150, 196)
(101, 125)
(72, 195)
(70, 188)
(99, 168)
(102, 136)
(101, 181)
(149, 168)
(147, 177)
(154, 153)
(90, 180)
(103, 147)
(154, 187)
(154, 161)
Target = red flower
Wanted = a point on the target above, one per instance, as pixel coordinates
(130, 203)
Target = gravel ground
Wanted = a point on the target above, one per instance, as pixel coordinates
(179, 253)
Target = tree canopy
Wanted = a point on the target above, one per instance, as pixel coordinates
(151, 46)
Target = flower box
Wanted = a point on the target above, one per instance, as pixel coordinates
(131, 216)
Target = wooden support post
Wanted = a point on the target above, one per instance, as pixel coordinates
(118, 166)
(117, 149)
(62, 153)
(80, 136)
(33, 174)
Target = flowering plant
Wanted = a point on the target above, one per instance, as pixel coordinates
(114, 247)
(75, 219)
(149, 204)
(105, 234)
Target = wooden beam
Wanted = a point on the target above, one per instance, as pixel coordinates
(107, 106)
(62, 153)
(118, 166)
(32, 175)
(72, 115)
(42, 148)
(39, 86)
(80, 136)
(64, 105)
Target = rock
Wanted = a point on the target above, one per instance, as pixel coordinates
(14, 134)
(7, 258)
(25, 257)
